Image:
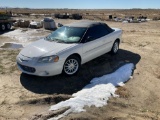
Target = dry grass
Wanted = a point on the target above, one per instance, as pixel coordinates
(123, 92)
(8, 61)
(139, 98)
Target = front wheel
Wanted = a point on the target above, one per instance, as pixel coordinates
(115, 47)
(71, 66)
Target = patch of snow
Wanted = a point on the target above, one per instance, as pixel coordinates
(97, 92)
(23, 36)
(148, 19)
(125, 22)
(12, 45)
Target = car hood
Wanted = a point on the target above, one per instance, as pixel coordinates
(42, 47)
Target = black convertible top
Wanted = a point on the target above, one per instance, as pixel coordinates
(84, 24)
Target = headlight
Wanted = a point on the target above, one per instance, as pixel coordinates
(48, 59)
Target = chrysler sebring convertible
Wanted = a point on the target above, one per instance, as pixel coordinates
(67, 48)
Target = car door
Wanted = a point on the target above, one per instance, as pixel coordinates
(93, 45)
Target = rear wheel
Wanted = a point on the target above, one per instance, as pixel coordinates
(8, 26)
(71, 66)
(2, 27)
(115, 47)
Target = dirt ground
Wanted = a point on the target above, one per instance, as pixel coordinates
(23, 96)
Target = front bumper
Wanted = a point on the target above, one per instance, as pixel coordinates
(40, 69)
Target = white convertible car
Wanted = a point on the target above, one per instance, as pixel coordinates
(67, 48)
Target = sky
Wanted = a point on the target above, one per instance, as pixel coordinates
(82, 4)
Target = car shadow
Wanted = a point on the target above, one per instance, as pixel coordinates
(62, 84)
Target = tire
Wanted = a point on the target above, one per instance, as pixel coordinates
(8, 26)
(115, 48)
(71, 66)
(2, 27)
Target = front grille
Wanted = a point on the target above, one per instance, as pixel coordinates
(26, 68)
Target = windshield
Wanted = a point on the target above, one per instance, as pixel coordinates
(67, 34)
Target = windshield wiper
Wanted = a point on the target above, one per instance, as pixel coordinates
(51, 39)
(61, 41)
(57, 40)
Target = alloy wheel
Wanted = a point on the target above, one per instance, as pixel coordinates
(71, 66)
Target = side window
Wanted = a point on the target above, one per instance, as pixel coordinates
(91, 34)
(96, 32)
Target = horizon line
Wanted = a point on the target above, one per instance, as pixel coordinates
(78, 8)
